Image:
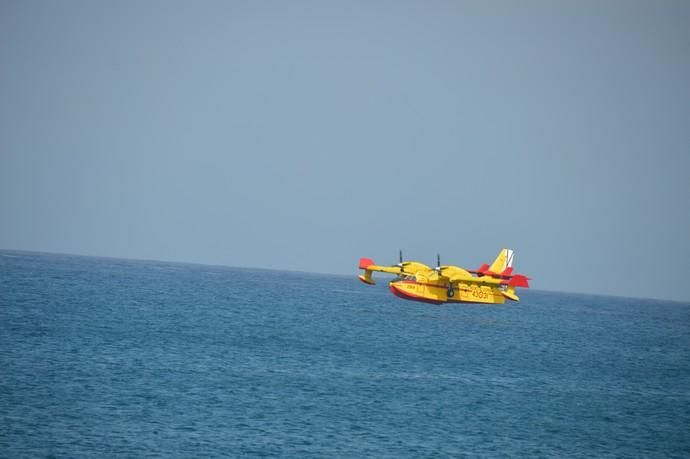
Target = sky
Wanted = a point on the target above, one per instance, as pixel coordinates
(303, 135)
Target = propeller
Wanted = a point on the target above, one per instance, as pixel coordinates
(400, 264)
(439, 272)
(438, 264)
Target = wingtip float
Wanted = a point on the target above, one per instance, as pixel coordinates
(490, 284)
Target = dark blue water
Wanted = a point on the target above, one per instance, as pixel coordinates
(116, 358)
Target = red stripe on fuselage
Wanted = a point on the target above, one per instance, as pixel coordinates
(419, 283)
(409, 296)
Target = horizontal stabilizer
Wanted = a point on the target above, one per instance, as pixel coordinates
(519, 280)
(483, 269)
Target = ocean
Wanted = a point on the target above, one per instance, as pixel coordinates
(120, 358)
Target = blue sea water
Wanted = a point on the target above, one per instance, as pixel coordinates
(120, 358)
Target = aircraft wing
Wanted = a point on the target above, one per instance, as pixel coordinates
(407, 267)
(368, 265)
(383, 269)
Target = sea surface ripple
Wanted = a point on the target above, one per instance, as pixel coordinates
(120, 358)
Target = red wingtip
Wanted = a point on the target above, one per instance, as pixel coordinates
(364, 263)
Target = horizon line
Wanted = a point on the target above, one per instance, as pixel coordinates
(108, 257)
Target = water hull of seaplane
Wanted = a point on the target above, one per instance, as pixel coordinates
(439, 294)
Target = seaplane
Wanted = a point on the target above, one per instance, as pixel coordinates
(489, 284)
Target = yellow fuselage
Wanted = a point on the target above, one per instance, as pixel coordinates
(436, 291)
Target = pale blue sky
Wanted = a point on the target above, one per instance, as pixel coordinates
(303, 135)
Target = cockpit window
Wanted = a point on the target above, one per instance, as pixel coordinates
(406, 277)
